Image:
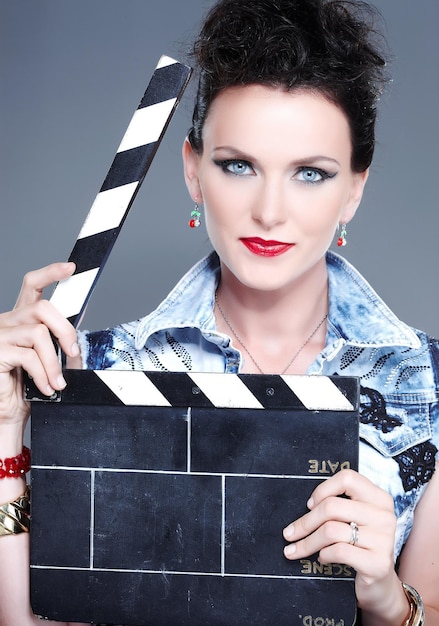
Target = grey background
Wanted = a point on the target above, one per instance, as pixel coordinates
(72, 74)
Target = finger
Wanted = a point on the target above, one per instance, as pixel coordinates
(328, 534)
(31, 348)
(32, 364)
(370, 565)
(338, 509)
(353, 485)
(332, 509)
(332, 537)
(36, 281)
(371, 556)
(43, 313)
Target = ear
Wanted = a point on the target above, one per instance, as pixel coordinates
(191, 164)
(359, 180)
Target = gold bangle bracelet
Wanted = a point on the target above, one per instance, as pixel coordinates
(15, 516)
(417, 614)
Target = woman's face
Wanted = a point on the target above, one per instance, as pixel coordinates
(275, 178)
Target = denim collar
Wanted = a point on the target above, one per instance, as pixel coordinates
(357, 315)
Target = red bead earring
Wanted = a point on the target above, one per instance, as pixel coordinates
(342, 239)
(194, 222)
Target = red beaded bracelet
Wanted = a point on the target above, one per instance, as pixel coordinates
(16, 466)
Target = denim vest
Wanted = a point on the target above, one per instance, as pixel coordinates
(398, 369)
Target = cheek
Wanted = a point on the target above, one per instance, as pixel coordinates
(223, 201)
(216, 214)
(319, 213)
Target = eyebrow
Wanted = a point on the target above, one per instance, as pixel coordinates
(239, 154)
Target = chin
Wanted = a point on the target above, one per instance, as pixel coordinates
(274, 275)
(270, 282)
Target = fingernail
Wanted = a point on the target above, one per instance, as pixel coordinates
(60, 381)
(49, 390)
(74, 349)
(310, 503)
(289, 532)
(290, 550)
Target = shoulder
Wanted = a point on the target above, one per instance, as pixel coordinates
(169, 337)
(428, 354)
(399, 424)
(434, 350)
(357, 314)
(103, 349)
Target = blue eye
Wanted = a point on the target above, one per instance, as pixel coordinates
(235, 167)
(312, 175)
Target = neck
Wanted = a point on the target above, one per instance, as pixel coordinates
(270, 327)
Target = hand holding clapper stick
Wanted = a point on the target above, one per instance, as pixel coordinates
(116, 196)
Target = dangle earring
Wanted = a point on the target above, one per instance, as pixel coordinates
(342, 239)
(194, 222)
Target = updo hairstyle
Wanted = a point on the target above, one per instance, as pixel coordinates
(328, 46)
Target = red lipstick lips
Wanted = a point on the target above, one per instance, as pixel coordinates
(261, 247)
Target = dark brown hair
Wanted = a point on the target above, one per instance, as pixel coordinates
(329, 46)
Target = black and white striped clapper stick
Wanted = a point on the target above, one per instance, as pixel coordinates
(127, 172)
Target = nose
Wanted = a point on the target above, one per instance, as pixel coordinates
(269, 206)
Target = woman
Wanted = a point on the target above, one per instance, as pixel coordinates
(278, 154)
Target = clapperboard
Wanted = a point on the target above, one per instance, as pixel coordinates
(159, 499)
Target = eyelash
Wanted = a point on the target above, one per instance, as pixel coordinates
(224, 164)
(324, 175)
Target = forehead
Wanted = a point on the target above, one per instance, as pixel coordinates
(252, 117)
